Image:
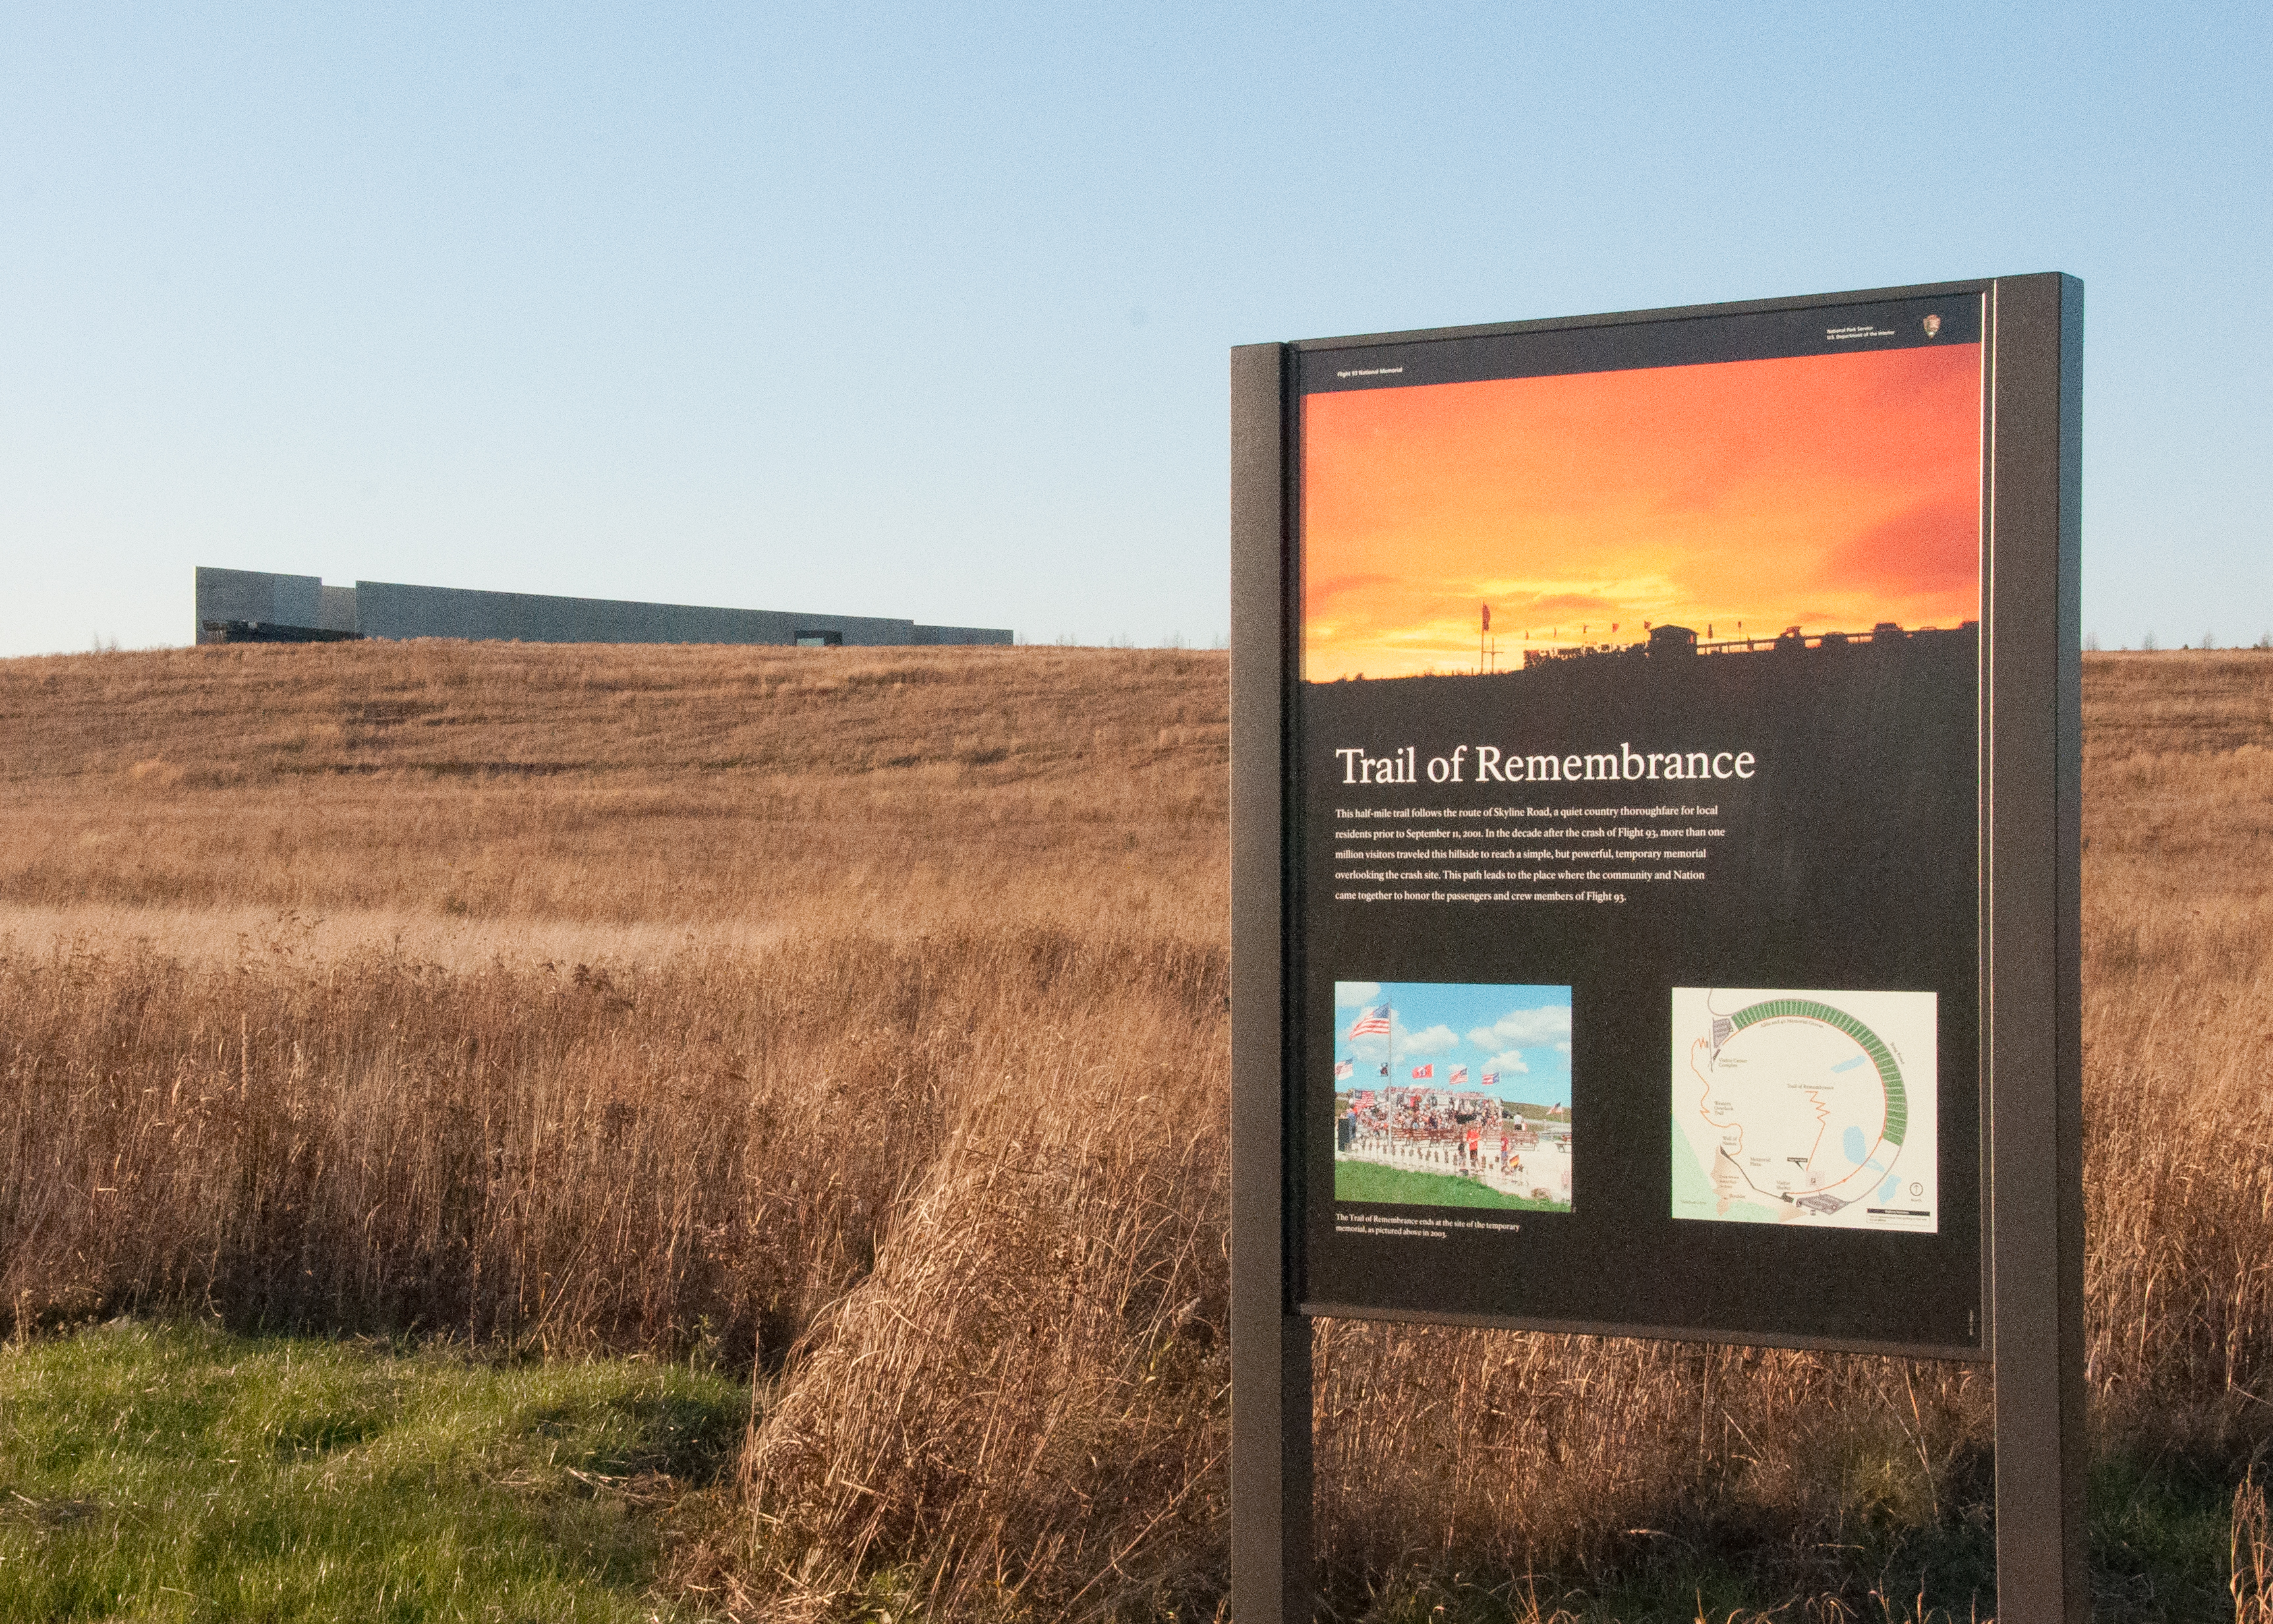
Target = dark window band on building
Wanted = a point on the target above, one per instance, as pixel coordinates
(248, 606)
(268, 631)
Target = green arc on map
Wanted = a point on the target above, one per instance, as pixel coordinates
(1898, 1111)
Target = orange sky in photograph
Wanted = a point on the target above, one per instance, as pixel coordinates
(1825, 492)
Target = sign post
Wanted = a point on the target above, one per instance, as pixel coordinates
(2033, 950)
(1271, 1550)
(1702, 960)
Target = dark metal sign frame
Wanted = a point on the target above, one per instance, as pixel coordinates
(2029, 1045)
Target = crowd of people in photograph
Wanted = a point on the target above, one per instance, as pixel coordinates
(1460, 1133)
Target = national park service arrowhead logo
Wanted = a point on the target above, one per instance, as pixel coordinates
(1932, 326)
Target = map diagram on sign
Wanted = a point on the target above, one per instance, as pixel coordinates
(1814, 1108)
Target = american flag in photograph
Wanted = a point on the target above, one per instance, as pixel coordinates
(1425, 1073)
(1372, 1023)
(1492, 1079)
(1343, 1069)
(1460, 1076)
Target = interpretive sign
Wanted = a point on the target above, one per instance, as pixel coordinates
(1642, 663)
(1654, 757)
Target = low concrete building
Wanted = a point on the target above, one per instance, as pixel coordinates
(249, 606)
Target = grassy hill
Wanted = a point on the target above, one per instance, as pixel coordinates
(650, 787)
(858, 1019)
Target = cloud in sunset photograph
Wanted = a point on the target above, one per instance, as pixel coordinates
(1831, 491)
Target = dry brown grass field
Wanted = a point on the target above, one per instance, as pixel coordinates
(859, 1017)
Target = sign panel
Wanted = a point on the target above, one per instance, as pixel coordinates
(1634, 824)
(1657, 832)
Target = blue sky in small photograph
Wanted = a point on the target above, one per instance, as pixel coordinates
(1522, 1033)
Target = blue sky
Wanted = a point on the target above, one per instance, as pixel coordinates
(1521, 1033)
(924, 311)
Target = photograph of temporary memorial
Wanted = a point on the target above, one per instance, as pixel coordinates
(1451, 1094)
(1755, 507)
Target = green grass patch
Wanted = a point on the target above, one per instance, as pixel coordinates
(2160, 1521)
(179, 1473)
(1370, 1181)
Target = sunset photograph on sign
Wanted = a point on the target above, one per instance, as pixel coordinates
(1457, 527)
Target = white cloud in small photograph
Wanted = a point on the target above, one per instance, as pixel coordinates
(1351, 994)
(1430, 1040)
(1508, 1063)
(1539, 1028)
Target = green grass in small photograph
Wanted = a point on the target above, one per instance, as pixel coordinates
(165, 1472)
(1370, 1181)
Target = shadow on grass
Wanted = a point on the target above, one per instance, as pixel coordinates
(2159, 1522)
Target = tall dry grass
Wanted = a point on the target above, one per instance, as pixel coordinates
(2250, 1555)
(890, 1058)
(548, 1156)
